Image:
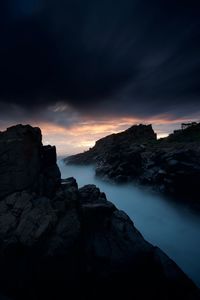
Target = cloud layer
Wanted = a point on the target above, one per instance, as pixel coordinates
(84, 69)
(101, 57)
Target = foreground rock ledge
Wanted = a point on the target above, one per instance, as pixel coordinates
(61, 242)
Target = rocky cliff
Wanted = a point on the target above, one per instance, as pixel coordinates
(25, 164)
(61, 242)
(112, 144)
(171, 165)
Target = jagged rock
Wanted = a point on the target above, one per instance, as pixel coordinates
(75, 241)
(171, 165)
(25, 164)
(110, 148)
(91, 194)
(36, 222)
(177, 171)
(94, 205)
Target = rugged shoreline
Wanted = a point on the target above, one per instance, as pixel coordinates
(57, 240)
(170, 165)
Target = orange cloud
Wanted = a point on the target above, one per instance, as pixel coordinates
(85, 131)
(81, 136)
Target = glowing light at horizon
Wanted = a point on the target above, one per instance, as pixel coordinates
(85, 131)
(83, 135)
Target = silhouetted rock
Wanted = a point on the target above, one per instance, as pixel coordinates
(25, 164)
(171, 165)
(73, 243)
(113, 146)
(189, 133)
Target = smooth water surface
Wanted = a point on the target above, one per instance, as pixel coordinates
(172, 227)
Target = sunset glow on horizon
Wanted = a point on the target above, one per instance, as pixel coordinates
(84, 131)
(82, 136)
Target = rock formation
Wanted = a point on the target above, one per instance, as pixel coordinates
(25, 164)
(61, 242)
(171, 165)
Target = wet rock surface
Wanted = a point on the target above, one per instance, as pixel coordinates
(73, 243)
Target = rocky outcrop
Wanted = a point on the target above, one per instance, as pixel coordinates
(171, 165)
(78, 241)
(73, 243)
(176, 172)
(25, 164)
(115, 145)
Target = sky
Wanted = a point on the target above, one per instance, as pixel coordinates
(84, 69)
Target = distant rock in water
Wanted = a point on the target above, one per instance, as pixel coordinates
(171, 164)
(61, 242)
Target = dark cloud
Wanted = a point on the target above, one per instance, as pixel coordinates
(101, 56)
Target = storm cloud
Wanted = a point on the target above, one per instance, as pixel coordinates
(125, 57)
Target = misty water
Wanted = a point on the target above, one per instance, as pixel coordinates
(171, 226)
